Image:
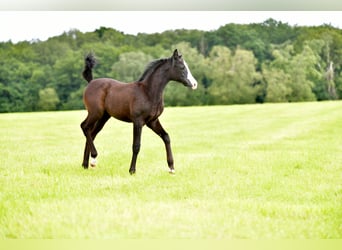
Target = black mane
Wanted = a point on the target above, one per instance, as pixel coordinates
(151, 67)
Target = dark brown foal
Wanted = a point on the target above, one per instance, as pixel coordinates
(140, 102)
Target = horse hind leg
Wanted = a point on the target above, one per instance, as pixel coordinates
(86, 155)
(97, 128)
(86, 127)
(90, 128)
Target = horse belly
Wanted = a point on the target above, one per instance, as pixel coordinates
(119, 110)
(118, 106)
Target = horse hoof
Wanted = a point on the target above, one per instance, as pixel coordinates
(172, 171)
(93, 162)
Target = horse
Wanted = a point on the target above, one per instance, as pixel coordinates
(140, 102)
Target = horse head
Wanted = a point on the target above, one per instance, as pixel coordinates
(181, 72)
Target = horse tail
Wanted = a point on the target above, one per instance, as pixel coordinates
(90, 62)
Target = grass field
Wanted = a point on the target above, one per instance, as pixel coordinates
(249, 171)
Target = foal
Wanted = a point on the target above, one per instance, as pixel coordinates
(139, 102)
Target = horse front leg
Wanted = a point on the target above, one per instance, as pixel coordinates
(137, 128)
(159, 130)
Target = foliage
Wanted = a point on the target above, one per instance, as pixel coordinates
(130, 65)
(255, 63)
(48, 99)
(288, 76)
(234, 77)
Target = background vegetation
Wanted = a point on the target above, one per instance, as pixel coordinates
(255, 63)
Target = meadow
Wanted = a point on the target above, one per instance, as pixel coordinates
(270, 171)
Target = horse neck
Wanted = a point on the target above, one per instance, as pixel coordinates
(156, 82)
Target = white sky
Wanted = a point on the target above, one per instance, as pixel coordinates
(28, 25)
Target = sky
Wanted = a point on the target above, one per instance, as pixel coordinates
(32, 25)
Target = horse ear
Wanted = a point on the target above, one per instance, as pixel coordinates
(176, 55)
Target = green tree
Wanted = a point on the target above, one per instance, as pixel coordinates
(67, 76)
(48, 99)
(297, 64)
(234, 77)
(75, 100)
(301, 67)
(296, 71)
(130, 66)
(278, 85)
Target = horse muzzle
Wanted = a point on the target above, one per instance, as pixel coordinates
(194, 85)
(190, 84)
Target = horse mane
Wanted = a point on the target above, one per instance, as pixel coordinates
(151, 67)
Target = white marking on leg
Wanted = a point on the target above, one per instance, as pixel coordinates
(172, 171)
(93, 162)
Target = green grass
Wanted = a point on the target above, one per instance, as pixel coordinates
(249, 171)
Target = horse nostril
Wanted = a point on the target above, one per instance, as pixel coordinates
(194, 85)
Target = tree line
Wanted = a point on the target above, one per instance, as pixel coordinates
(235, 64)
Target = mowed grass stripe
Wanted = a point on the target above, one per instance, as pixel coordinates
(244, 171)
